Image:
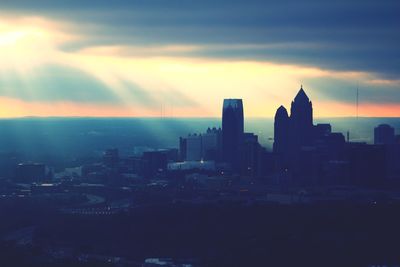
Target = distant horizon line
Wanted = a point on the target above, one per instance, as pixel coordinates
(183, 117)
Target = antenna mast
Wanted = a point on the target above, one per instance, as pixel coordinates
(357, 103)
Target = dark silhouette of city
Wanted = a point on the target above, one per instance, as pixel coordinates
(218, 198)
(232, 131)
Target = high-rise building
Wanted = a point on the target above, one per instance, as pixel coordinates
(301, 116)
(232, 130)
(281, 131)
(193, 147)
(297, 130)
(384, 135)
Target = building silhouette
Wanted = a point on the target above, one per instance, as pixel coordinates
(303, 154)
(305, 150)
(194, 147)
(385, 138)
(293, 132)
(232, 131)
(384, 135)
(301, 119)
(250, 155)
(314, 155)
(281, 131)
(182, 148)
(211, 144)
(204, 146)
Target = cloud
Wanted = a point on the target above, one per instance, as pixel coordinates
(338, 35)
(189, 55)
(341, 90)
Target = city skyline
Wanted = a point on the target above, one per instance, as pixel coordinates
(151, 59)
(187, 133)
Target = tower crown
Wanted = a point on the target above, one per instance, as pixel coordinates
(301, 96)
(234, 103)
(281, 112)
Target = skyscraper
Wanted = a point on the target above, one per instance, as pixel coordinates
(297, 130)
(281, 131)
(301, 116)
(232, 130)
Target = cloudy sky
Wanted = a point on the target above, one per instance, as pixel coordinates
(183, 57)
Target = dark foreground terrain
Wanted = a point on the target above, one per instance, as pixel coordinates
(225, 234)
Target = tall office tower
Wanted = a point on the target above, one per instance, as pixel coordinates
(301, 117)
(384, 135)
(281, 131)
(232, 131)
(194, 147)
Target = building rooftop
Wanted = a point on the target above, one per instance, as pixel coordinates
(234, 103)
(384, 126)
(281, 112)
(301, 96)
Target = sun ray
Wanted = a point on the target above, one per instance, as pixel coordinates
(144, 79)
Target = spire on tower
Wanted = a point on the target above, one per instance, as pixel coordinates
(301, 96)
